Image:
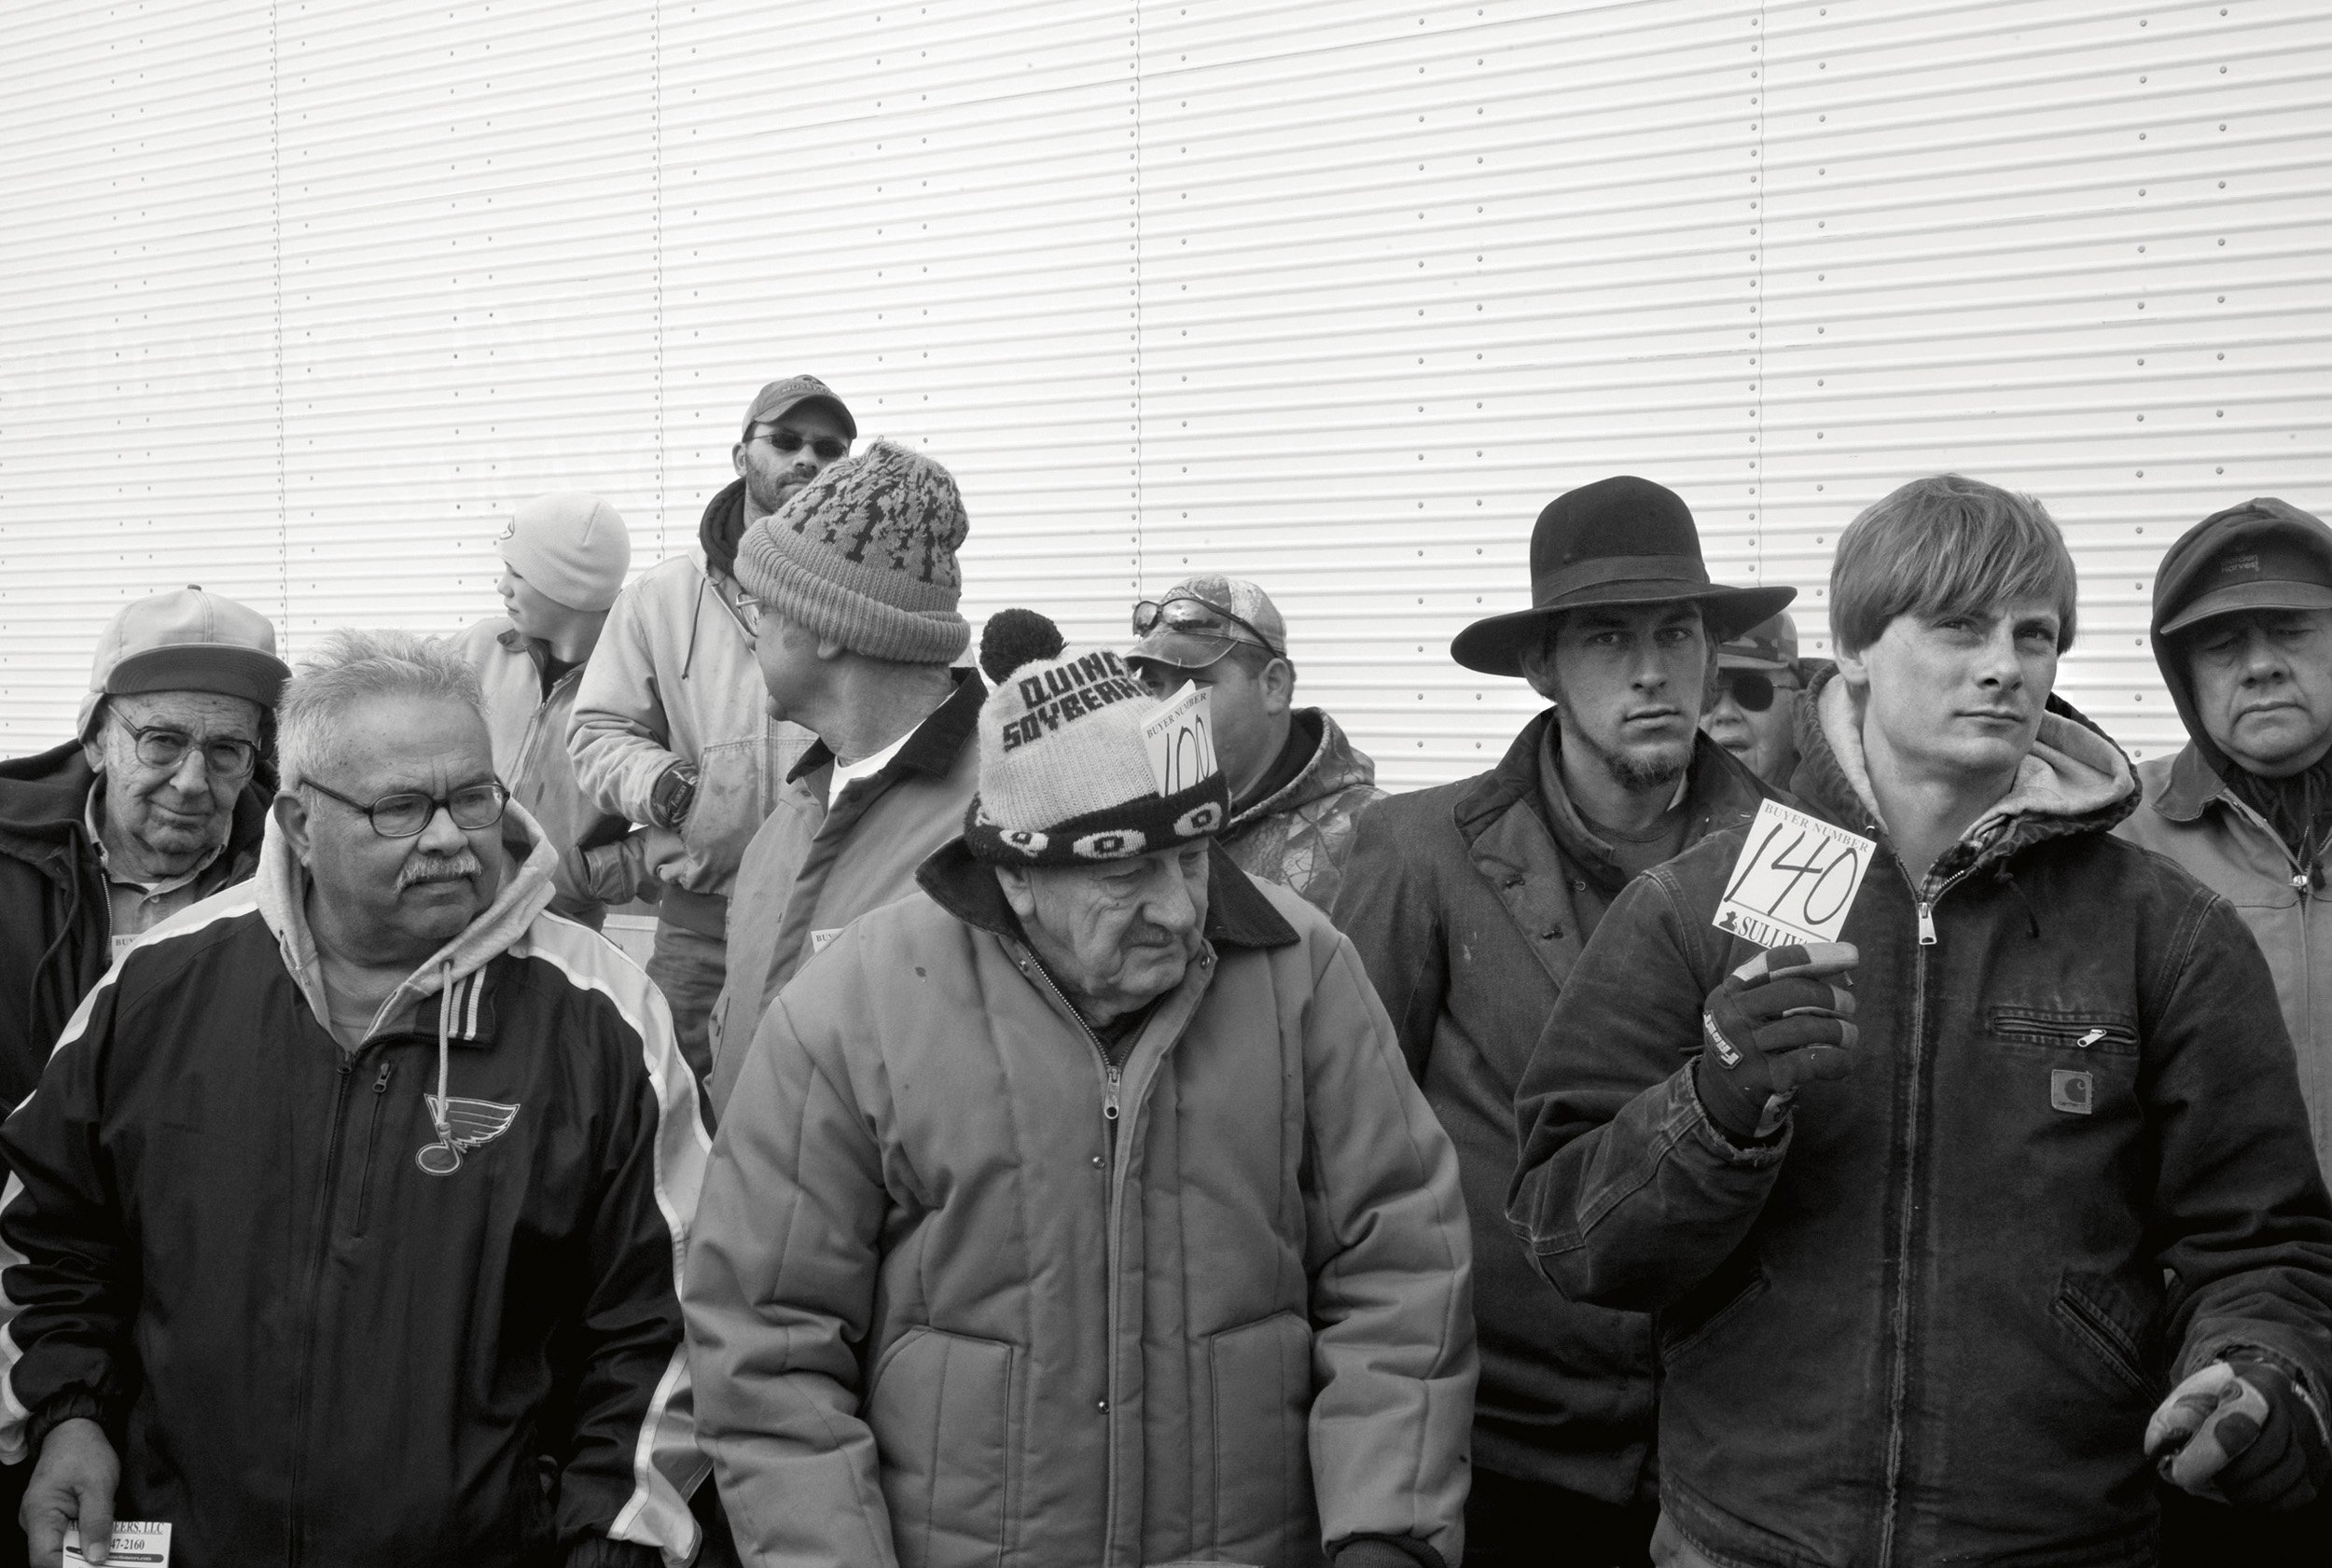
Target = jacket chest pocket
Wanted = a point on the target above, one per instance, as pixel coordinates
(2074, 1061)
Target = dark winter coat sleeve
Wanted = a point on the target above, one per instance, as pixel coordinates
(68, 1272)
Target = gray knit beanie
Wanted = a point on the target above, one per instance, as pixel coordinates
(1064, 771)
(866, 555)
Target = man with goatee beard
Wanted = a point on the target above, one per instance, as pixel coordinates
(1469, 904)
(342, 1223)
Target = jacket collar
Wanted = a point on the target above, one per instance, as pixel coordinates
(2191, 787)
(501, 928)
(1336, 765)
(1238, 915)
(2075, 779)
(933, 744)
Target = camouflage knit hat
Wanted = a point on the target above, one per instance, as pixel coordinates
(866, 555)
(1065, 777)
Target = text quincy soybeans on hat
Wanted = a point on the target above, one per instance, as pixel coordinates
(1617, 541)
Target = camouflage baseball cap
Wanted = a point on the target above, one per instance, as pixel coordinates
(1200, 619)
(1769, 645)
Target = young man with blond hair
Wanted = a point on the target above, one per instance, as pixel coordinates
(1931, 1216)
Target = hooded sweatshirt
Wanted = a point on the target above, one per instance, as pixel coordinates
(2222, 823)
(414, 1301)
(1299, 832)
(674, 679)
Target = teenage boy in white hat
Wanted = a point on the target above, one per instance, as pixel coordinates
(1078, 1208)
(563, 558)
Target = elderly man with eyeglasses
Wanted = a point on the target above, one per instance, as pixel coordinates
(157, 803)
(670, 729)
(344, 1222)
(1755, 717)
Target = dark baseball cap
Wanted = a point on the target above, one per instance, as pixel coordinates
(1771, 644)
(2262, 569)
(779, 398)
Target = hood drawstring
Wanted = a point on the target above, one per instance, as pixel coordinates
(441, 1159)
(2006, 879)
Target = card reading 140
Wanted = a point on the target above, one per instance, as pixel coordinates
(1794, 881)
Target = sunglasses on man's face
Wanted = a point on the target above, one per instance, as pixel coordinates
(788, 442)
(1751, 692)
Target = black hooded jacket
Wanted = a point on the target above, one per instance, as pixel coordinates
(54, 916)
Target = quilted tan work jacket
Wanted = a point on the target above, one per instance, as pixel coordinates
(960, 1292)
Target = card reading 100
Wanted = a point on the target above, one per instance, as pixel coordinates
(1794, 881)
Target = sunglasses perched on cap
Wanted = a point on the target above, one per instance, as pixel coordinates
(1750, 690)
(1198, 616)
(404, 814)
(827, 448)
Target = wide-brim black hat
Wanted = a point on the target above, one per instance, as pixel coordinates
(1617, 541)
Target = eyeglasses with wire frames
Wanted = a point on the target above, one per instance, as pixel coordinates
(788, 441)
(161, 746)
(406, 812)
(1182, 613)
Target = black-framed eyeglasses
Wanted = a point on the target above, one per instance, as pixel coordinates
(827, 448)
(1750, 690)
(404, 814)
(1185, 613)
(161, 746)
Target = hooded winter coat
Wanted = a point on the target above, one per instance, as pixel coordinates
(962, 1293)
(814, 866)
(601, 861)
(674, 679)
(56, 920)
(307, 1347)
(2193, 817)
(1929, 1320)
(1469, 904)
(1300, 835)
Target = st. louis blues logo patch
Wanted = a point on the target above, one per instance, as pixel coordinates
(463, 1125)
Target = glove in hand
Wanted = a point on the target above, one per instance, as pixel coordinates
(2242, 1432)
(1775, 1023)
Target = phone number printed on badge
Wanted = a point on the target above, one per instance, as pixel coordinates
(1794, 881)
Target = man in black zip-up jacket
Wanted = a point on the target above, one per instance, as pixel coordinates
(352, 1278)
(1925, 1256)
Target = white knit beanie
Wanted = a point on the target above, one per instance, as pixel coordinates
(1064, 772)
(573, 548)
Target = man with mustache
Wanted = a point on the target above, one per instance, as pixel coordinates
(671, 727)
(1931, 1216)
(1470, 903)
(342, 1225)
(563, 558)
(2242, 634)
(1077, 1208)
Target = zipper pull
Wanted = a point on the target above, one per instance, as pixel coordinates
(1926, 923)
(2090, 1038)
(381, 1083)
(2299, 881)
(1109, 1101)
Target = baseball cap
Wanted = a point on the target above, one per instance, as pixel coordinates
(781, 397)
(1771, 644)
(2267, 569)
(1200, 619)
(187, 640)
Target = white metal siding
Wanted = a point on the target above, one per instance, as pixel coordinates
(299, 298)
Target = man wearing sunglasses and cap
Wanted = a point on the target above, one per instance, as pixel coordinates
(343, 1224)
(1758, 683)
(1470, 903)
(1297, 784)
(672, 728)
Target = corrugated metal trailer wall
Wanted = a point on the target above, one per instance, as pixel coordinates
(299, 299)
